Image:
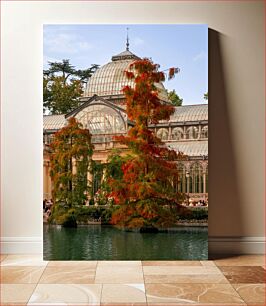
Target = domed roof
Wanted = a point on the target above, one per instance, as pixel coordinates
(110, 79)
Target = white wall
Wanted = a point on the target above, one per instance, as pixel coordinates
(236, 111)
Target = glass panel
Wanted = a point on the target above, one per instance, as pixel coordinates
(100, 119)
(163, 134)
(177, 133)
(181, 178)
(204, 132)
(196, 178)
(192, 132)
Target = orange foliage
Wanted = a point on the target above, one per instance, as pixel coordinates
(71, 148)
(149, 171)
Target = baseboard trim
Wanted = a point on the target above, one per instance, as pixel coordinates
(21, 245)
(237, 245)
(217, 245)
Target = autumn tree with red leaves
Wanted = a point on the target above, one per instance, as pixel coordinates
(149, 170)
(70, 162)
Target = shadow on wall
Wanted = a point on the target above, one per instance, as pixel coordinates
(225, 215)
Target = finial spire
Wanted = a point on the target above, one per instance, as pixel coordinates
(127, 44)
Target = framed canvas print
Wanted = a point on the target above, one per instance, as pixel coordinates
(125, 134)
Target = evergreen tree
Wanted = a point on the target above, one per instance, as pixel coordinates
(63, 85)
(174, 98)
(64, 69)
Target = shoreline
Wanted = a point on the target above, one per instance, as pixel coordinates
(178, 225)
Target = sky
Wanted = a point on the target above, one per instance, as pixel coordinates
(182, 46)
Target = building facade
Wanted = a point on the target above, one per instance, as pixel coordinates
(103, 112)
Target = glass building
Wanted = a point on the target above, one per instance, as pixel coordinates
(103, 112)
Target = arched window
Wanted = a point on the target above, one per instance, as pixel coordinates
(204, 132)
(100, 119)
(177, 133)
(181, 185)
(97, 177)
(162, 133)
(192, 132)
(196, 178)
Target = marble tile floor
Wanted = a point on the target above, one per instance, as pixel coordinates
(227, 281)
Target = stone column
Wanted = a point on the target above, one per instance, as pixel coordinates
(204, 182)
(47, 183)
(89, 177)
(104, 174)
(74, 166)
(187, 177)
(199, 135)
(185, 132)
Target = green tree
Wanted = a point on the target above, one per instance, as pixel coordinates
(174, 98)
(64, 68)
(70, 162)
(114, 165)
(63, 85)
(46, 92)
(60, 96)
(205, 96)
(85, 74)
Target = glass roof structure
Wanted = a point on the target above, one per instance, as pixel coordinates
(105, 118)
(53, 122)
(101, 119)
(190, 113)
(191, 148)
(186, 113)
(110, 79)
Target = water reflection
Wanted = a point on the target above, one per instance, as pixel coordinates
(97, 242)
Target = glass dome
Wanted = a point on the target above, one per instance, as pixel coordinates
(110, 79)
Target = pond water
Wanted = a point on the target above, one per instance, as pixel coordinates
(96, 242)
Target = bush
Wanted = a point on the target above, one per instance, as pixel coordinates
(69, 220)
(69, 217)
(63, 216)
(194, 214)
(141, 214)
(85, 213)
